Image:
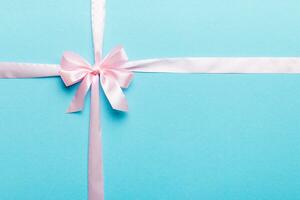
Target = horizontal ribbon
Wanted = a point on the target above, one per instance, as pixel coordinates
(27, 70)
(223, 65)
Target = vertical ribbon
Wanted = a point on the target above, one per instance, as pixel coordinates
(98, 22)
(95, 165)
(95, 176)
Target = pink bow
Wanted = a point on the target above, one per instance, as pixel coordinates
(113, 77)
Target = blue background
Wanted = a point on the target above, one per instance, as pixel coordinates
(186, 136)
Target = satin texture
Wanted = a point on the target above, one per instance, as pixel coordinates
(75, 69)
(27, 70)
(115, 72)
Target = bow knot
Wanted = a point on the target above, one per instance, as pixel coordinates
(113, 77)
(96, 71)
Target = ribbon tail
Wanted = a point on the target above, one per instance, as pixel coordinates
(95, 167)
(77, 103)
(123, 77)
(114, 93)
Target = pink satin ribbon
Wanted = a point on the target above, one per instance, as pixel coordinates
(75, 69)
(114, 72)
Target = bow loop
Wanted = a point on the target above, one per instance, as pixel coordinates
(73, 68)
(115, 58)
(113, 77)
